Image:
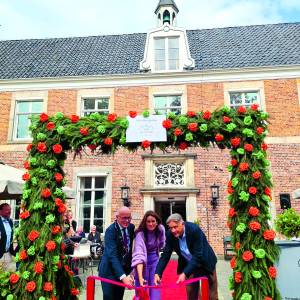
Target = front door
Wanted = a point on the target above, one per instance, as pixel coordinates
(164, 207)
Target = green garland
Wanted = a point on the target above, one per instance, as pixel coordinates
(43, 273)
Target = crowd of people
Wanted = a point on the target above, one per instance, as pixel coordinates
(134, 257)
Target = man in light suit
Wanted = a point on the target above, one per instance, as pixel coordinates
(196, 258)
(6, 237)
(116, 259)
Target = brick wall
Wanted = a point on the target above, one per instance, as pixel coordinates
(5, 103)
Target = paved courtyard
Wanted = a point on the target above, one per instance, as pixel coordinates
(223, 272)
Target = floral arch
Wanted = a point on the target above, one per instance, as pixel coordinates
(43, 272)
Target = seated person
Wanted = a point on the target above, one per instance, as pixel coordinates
(69, 243)
(97, 245)
(80, 232)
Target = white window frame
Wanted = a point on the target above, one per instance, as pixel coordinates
(16, 118)
(168, 108)
(92, 189)
(243, 92)
(95, 98)
(167, 56)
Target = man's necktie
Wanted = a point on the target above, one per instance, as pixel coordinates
(125, 239)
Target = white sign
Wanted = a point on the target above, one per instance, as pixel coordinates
(141, 129)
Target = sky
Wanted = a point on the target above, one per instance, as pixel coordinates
(24, 19)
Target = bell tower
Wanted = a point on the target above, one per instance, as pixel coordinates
(166, 12)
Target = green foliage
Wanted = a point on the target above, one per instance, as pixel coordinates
(242, 131)
(288, 223)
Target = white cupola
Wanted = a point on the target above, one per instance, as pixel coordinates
(166, 12)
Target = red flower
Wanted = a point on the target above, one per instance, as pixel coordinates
(41, 147)
(226, 119)
(177, 132)
(75, 292)
(229, 225)
(33, 235)
(234, 162)
(193, 127)
(219, 137)
(111, 117)
(92, 147)
(38, 267)
(145, 144)
(206, 115)
(254, 226)
(30, 286)
(58, 177)
(272, 272)
(108, 141)
(230, 190)
(24, 215)
(62, 208)
(132, 114)
(264, 147)
(167, 123)
(259, 130)
(74, 118)
(256, 175)
(238, 277)
(254, 106)
(237, 246)
(84, 131)
(29, 147)
(241, 110)
(48, 287)
(53, 298)
(14, 278)
(244, 166)
(183, 146)
(267, 298)
(253, 211)
(248, 147)
(232, 212)
(63, 247)
(191, 114)
(229, 184)
(50, 246)
(268, 191)
(235, 142)
(57, 148)
(23, 254)
(58, 201)
(46, 193)
(44, 117)
(56, 229)
(233, 263)
(247, 256)
(26, 165)
(252, 190)
(269, 235)
(50, 126)
(26, 177)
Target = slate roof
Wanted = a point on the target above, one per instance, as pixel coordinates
(219, 48)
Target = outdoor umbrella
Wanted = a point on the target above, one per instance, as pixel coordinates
(11, 183)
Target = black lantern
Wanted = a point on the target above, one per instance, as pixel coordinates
(214, 195)
(125, 194)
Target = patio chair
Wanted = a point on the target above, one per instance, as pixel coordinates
(228, 248)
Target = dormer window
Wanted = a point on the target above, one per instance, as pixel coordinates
(166, 53)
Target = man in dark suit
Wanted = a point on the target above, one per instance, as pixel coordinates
(6, 237)
(196, 258)
(116, 259)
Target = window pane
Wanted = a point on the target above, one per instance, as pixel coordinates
(175, 100)
(99, 182)
(86, 182)
(86, 212)
(177, 111)
(99, 224)
(102, 103)
(173, 54)
(98, 212)
(173, 42)
(173, 64)
(87, 196)
(160, 111)
(88, 103)
(160, 65)
(236, 99)
(99, 197)
(160, 55)
(37, 107)
(159, 43)
(160, 102)
(250, 98)
(23, 106)
(86, 225)
(22, 129)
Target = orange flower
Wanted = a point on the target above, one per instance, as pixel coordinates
(30, 286)
(247, 256)
(269, 235)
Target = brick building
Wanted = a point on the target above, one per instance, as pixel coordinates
(167, 69)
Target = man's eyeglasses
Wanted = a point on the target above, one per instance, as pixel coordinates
(125, 218)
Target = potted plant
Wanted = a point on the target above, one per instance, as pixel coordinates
(288, 225)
